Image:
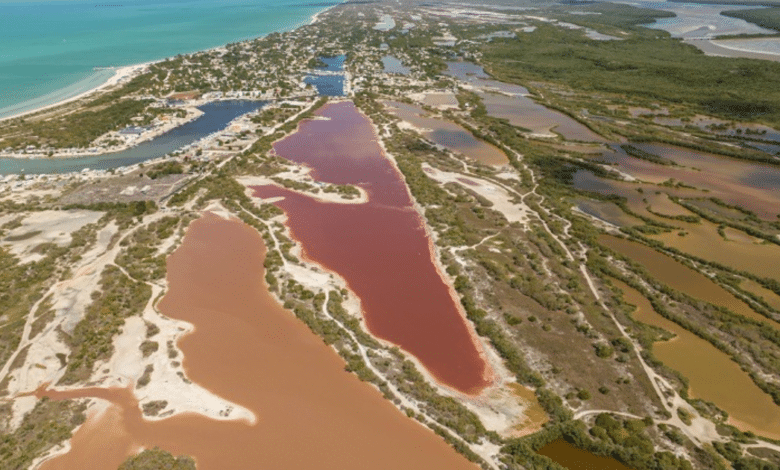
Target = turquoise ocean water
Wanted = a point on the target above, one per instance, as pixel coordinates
(49, 50)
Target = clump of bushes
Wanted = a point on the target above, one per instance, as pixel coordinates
(158, 459)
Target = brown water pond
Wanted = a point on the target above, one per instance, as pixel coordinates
(440, 99)
(470, 72)
(524, 112)
(651, 196)
(752, 185)
(680, 277)
(247, 349)
(380, 248)
(772, 299)
(535, 416)
(575, 458)
(448, 134)
(712, 375)
(740, 250)
(606, 211)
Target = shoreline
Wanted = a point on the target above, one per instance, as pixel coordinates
(97, 172)
(121, 74)
(193, 113)
(720, 48)
(128, 72)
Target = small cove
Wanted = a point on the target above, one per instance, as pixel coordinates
(328, 79)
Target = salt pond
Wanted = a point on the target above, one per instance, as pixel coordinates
(380, 248)
(246, 348)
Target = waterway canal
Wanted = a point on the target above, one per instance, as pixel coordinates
(329, 80)
(216, 116)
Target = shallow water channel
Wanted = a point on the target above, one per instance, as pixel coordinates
(247, 349)
(680, 277)
(712, 375)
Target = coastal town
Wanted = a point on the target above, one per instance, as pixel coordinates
(522, 256)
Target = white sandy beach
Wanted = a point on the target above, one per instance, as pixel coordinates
(121, 75)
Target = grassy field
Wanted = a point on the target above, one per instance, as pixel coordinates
(154, 459)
